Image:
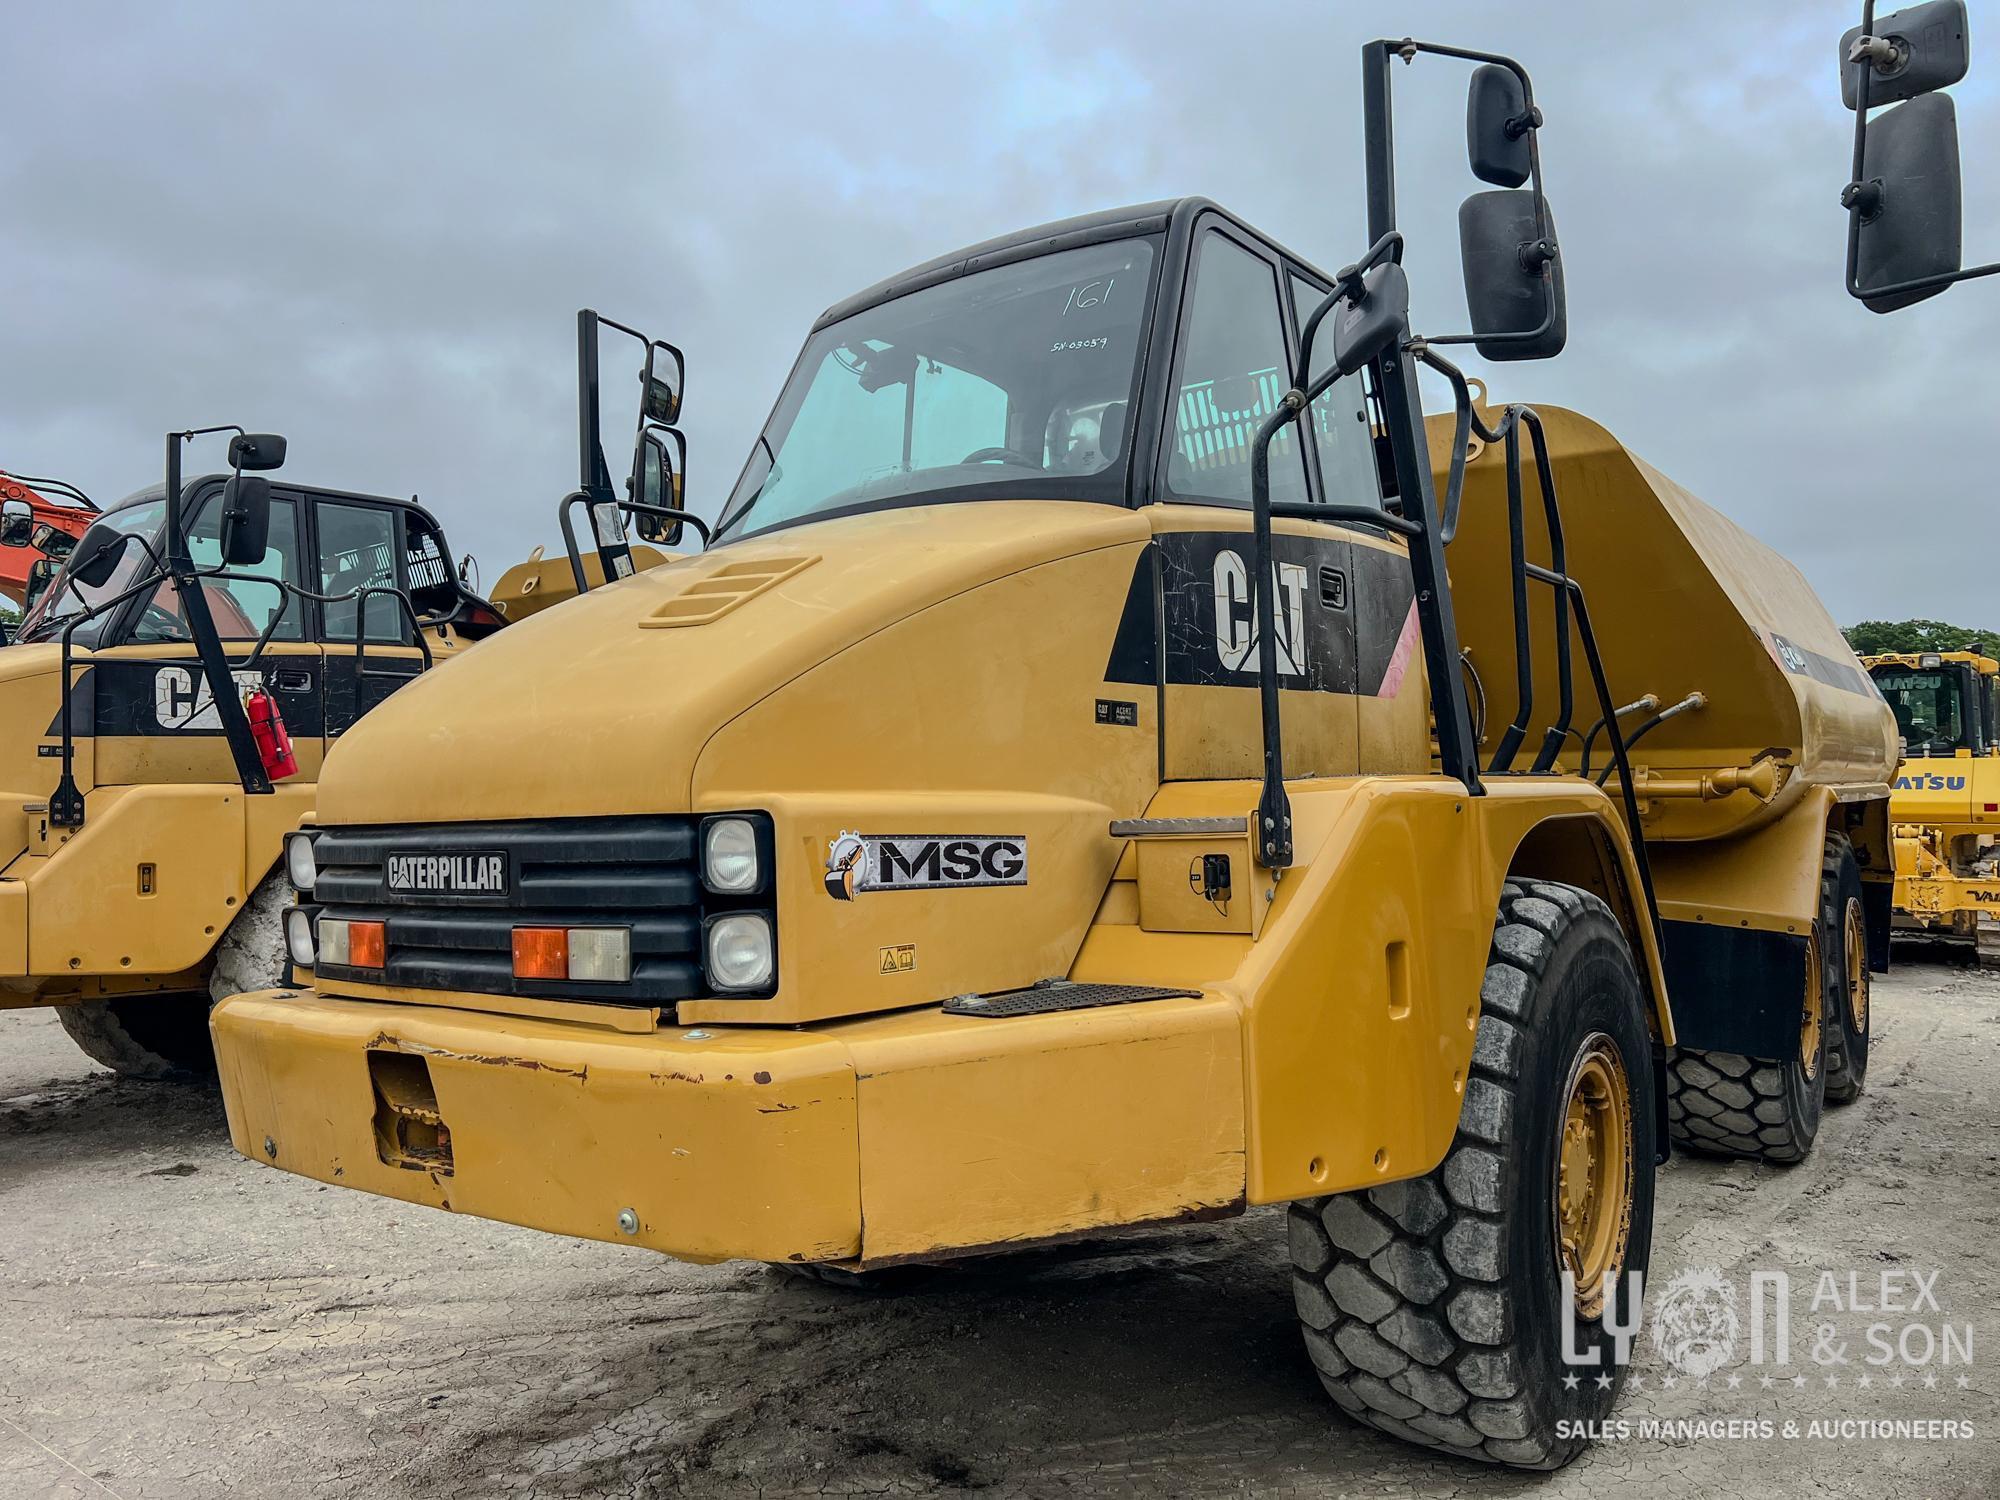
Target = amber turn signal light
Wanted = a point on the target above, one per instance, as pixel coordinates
(541, 953)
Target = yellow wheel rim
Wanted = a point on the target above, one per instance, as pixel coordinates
(1594, 1172)
(1809, 1014)
(1857, 967)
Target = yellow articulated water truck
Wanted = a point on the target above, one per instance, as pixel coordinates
(1069, 792)
(1946, 804)
(140, 823)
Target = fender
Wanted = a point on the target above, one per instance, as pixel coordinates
(1736, 919)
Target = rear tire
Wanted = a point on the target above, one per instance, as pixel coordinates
(882, 1282)
(1433, 1308)
(1725, 1104)
(1842, 915)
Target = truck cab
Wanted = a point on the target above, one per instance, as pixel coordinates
(120, 917)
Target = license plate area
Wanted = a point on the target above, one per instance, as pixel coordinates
(409, 1131)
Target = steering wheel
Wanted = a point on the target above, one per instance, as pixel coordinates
(1001, 456)
(160, 624)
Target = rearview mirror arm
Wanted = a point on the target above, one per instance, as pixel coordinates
(1861, 197)
(1379, 150)
(201, 626)
(593, 472)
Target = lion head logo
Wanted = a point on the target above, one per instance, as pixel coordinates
(1694, 1322)
(842, 860)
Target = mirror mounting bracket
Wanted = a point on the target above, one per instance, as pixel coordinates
(1864, 198)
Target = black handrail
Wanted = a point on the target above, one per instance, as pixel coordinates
(631, 507)
(66, 803)
(1274, 807)
(361, 673)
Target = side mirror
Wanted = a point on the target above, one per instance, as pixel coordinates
(246, 518)
(1513, 276)
(1908, 201)
(96, 559)
(1916, 50)
(657, 466)
(256, 451)
(17, 523)
(41, 573)
(1498, 125)
(1364, 326)
(666, 375)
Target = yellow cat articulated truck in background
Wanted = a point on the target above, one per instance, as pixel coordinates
(1116, 763)
(140, 825)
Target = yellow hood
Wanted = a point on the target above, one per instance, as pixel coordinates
(627, 683)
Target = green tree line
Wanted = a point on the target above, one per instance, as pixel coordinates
(1874, 637)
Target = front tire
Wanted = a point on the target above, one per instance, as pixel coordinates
(158, 1038)
(1433, 1308)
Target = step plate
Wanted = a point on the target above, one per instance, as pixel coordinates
(1040, 999)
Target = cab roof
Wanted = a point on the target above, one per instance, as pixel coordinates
(154, 492)
(1986, 666)
(1042, 239)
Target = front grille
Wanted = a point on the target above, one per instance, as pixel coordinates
(639, 873)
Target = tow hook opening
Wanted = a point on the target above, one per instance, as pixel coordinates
(409, 1131)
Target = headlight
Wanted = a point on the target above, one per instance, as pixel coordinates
(299, 936)
(301, 868)
(740, 955)
(729, 864)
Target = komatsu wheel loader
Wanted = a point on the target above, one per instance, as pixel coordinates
(1946, 803)
(1115, 763)
(140, 827)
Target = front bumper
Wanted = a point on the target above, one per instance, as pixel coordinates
(906, 1137)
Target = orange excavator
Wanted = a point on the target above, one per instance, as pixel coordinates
(54, 514)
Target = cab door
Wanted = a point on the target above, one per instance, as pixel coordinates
(362, 544)
(152, 715)
(1331, 584)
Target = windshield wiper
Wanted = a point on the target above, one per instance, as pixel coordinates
(771, 476)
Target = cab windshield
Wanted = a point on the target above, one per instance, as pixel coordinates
(66, 596)
(1931, 714)
(1013, 382)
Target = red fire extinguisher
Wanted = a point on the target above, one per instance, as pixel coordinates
(267, 727)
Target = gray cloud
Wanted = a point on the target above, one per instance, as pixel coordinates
(369, 226)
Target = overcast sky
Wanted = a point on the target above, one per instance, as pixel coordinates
(370, 228)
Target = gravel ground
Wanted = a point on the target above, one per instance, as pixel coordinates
(175, 1321)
